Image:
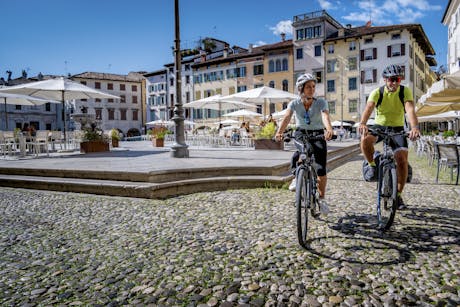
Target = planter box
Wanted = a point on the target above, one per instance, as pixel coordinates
(158, 142)
(94, 146)
(268, 144)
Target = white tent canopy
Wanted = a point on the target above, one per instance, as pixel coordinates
(446, 116)
(441, 97)
(338, 123)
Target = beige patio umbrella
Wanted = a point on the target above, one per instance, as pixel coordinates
(24, 100)
(61, 89)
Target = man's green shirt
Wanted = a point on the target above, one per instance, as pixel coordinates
(391, 110)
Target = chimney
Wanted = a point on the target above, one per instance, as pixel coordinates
(250, 48)
(283, 37)
(203, 56)
(348, 25)
(225, 54)
(341, 32)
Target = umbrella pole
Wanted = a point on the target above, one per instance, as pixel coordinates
(63, 119)
(6, 115)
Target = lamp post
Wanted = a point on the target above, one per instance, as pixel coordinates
(179, 149)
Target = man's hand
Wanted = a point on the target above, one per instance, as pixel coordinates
(363, 129)
(414, 133)
(278, 136)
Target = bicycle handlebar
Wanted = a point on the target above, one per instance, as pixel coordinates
(287, 136)
(384, 132)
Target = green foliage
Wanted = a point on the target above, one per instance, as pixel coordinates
(161, 133)
(448, 133)
(94, 134)
(267, 132)
(114, 134)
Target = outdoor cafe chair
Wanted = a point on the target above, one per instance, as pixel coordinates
(448, 156)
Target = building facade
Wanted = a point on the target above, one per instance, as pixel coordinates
(451, 19)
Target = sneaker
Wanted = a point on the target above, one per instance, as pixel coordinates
(401, 204)
(292, 185)
(323, 207)
(370, 173)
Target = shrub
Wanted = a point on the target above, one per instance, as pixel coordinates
(267, 132)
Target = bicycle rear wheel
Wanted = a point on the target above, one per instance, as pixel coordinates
(303, 200)
(387, 201)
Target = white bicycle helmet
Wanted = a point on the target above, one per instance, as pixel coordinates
(302, 79)
(392, 71)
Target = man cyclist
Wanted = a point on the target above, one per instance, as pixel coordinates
(389, 114)
(312, 114)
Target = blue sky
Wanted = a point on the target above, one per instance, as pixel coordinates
(119, 36)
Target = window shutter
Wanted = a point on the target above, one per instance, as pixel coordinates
(374, 51)
(389, 51)
(362, 76)
(362, 55)
(374, 75)
(403, 68)
(403, 49)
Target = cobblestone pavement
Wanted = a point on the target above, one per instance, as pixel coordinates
(229, 248)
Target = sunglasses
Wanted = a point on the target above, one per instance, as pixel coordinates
(307, 118)
(394, 79)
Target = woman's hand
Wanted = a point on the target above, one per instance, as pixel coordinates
(278, 136)
(328, 135)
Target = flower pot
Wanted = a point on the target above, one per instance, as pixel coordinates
(268, 144)
(93, 146)
(158, 142)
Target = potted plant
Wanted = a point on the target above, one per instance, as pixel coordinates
(93, 140)
(264, 138)
(115, 137)
(158, 137)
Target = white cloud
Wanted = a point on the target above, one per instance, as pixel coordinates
(325, 5)
(422, 5)
(284, 26)
(259, 43)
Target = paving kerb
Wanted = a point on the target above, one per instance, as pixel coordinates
(113, 173)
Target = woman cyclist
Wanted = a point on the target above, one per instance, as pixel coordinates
(312, 115)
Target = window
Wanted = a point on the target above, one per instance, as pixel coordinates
(319, 76)
(134, 99)
(271, 66)
(271, 84)
(134, 88)
(83, 82)
(241, 88)
(352, 46)
(97, 85)
(122, 114)
(241, 72)
(331, 105)
(110, 86)
(352, 63)
(299, 53)
(187, 79)
(278, 65)
(396, 36)
(369, 54)
(258, 69)
(368, 41)
(135, 115)
(309, 32)
(318, 50)
(98, 100)
(331, 65)
(330, 48)
(122, 87)
(111, 114)
(110, 100)
(285, 85)
(369, 75)
(285, 65)
(396, 50)
(99, 114)
(330, 86)
(122, 98)
(352, 106)
(48, 107)
(352, 84)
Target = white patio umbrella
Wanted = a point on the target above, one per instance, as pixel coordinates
(228, 122)
(262, 95)
(61, 89)
(279, 114)
(243, 113)
(338, 123)
(23, 100)
(162, 122)
(446, 116)
(216, 103)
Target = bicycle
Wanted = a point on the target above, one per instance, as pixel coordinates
(307, 194)
(387, 180)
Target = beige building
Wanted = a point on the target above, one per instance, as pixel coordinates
(126, 114)
(356, 57)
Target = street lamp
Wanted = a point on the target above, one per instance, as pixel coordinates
(179, 149)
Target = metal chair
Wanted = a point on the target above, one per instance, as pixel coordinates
(448, 156)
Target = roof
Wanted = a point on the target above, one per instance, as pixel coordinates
(131, 77)
(443, 20)
(415, 29)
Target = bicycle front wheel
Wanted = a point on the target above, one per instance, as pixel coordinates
(303, 200)
(387, 198)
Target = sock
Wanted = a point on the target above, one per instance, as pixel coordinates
(372, 164)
